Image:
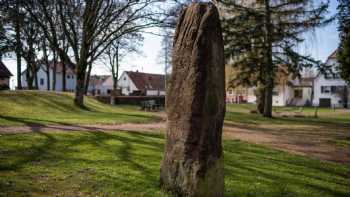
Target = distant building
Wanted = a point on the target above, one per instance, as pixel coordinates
(5, 75)
(324, 89)
(100, 85)
(330, 89)
(138, 83)
(42, 77)
(240, 95)
(289, 91)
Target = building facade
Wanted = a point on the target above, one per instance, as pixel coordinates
(5, 75)
(43, 78)
(100, 85)
(138, 83)
(330, 89)
(324, 89)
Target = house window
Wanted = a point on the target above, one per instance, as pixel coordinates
(124, 78)
(328, 76)
(230, 91)
(275, 92)
(326, 89)
(109, 91)
(298, 93)
(333, 89)
(98, 91)
(41, 81)
(68, 76)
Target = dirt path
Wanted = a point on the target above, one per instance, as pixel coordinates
(299, 140)
(314, 145)
(147, 127)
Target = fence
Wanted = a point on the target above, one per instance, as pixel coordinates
(131, 100)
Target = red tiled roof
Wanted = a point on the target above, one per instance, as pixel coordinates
(4, 72)
(96, 80)
(333, 55)
(59, 68)
(147, 81)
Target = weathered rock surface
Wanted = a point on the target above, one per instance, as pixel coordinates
(193, 160)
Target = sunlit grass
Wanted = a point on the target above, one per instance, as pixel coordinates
(41, 107)
(127, 164)
(241, 113)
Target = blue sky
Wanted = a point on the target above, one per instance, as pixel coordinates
(319, 44)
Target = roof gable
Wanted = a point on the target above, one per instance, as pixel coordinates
(333, 55)
(98, 80)
(147, 81)
(4, 72)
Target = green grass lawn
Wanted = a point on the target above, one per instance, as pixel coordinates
(127, 164)
(40, 107)
(330, 128)
(240, 113)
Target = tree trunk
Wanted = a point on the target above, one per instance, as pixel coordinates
(269, 72)
(87, 80)
(86, 43)
(54, 70)
(260, 99)
(47, 64)
(18, 53)
(80, 86)
(63, 76)
(115, 71)
(30, 75)
(35, 78)
(79, 92)
(268, 101)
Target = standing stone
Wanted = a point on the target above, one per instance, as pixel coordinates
(193, 160)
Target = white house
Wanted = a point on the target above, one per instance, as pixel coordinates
(138, 83)
(42, 77)
(288, 91)
(324, 89)
(100, 85)
(329, 89)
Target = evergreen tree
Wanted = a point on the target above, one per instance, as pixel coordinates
(261, 35)
(343, 54)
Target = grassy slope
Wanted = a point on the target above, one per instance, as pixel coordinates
(27, 107)
(127, 164)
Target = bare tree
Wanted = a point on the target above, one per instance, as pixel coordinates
(12, 15)
(29, 52)
(120, 48)
(86, 22)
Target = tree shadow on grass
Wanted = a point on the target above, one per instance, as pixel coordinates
(132, 160)
(256, 171)
(127, 164)
(94, 117)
